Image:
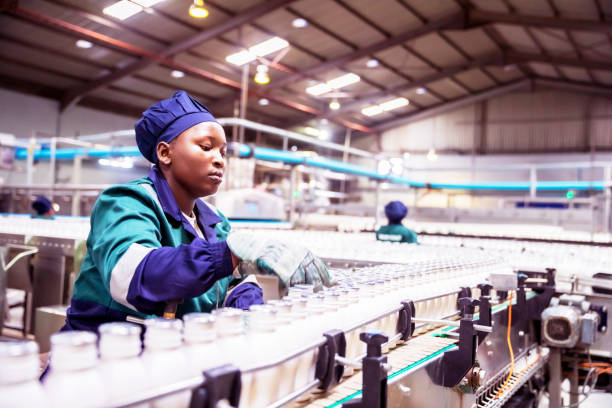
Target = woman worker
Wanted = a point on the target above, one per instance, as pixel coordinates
(395, 231)
(154, 243)
(43, 208)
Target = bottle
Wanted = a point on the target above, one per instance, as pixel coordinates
(262, 339)
(233, 344)
(73, 379)
(201, 348)
(121, 368)
(164, 361)
(19, 370)
(288, 337)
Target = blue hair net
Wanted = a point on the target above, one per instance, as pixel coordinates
(41, 205)
(395, 211)
(167, 119)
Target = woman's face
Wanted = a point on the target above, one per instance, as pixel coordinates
(198, 159)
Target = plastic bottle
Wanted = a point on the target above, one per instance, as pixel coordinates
(73, 379)
(19, 370)
(262, 340)
(287, 333)
(121, 368)
(201, 348)
(164, 360)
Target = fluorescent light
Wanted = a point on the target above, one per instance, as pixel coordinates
(372, 110)
(147, 3)
(264, 102)
(299, 23)
(334, 105)
(324, 134)
(240, 58)
(258, 50)
(373, 63)
(319, 89)
(269, 46)
(123, 9)
(385, 106)
(336, 83)
(393, 104)
(421, 91)
(310, 131)
(343, 81)
(177, 74)
(83, 44)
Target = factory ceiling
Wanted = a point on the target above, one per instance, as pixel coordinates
(384, 62)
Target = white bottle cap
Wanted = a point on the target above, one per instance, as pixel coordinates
(163, 333)
(119, 340)
(19, 361)
(199, 328)
(229, 321)
(73, 350)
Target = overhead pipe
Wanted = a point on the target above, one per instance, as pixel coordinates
(263, 153)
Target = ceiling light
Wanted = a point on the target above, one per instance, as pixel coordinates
(384, 167)
(299, 23)
(334, 105)
(343, 81)
(385, 106)
(146, 3)
(83, 44)
(421, 91)
(177, 74)
(197, 10)
(336, 83)
(310, 131)
(262, 77)
(264, 102)
(373, 63)
(324, 121)
(319, 89)
(393, 104)
(258, 50)
(123, 9)
(324, 134)
(372, 110)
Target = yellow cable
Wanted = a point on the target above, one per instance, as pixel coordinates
(501, 390)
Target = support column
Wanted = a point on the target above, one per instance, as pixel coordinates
(554, 386)
(244, 97)
(77, 167)
(607, 198)
(377, 204)
(30, 162)
(345, 156)
(292, 184)
(533, 180)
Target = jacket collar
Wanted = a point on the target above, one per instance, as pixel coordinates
(205, 215)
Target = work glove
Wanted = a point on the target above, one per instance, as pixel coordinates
(292, 264)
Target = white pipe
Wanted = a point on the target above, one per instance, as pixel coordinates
(292, 135)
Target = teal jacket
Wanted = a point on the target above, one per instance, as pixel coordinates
(396, 233)
(142, 253)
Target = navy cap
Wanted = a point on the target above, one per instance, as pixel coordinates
(41, 205)
(167, 119)
(395, 211)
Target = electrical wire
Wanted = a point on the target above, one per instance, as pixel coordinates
(16, 258)
(503, 387)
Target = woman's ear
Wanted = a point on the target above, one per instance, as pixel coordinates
(163, 153)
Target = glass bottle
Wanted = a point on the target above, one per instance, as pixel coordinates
(19, 370)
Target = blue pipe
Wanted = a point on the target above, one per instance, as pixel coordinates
(264, 153)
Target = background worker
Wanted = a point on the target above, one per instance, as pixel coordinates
(154, 242)
(395, 231)
(43, 208)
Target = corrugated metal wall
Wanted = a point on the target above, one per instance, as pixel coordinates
(543, 121)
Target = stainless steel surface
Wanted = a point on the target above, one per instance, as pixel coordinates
(454, 323)
(284, 401)
(554, 385)
(49, 320)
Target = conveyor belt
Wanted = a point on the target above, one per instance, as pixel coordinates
(415, 352)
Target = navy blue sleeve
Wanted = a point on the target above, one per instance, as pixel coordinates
(186, 271)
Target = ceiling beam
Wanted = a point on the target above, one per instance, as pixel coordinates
(516, 56)
(178, 47)
(452, 21)
(479, 17)
(521, 84)
(494, 59)
(574, 86)
(109, 42)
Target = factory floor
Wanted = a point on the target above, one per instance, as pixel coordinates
(597, 399)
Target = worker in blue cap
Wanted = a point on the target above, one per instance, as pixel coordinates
(395, 231)
(154, 243)
(43, 208)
